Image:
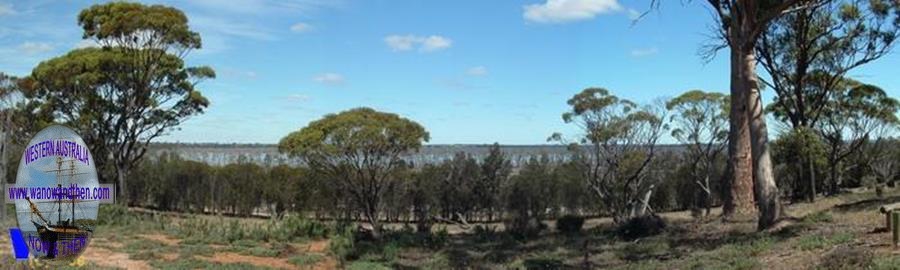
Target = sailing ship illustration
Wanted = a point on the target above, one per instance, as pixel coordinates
(70, 232)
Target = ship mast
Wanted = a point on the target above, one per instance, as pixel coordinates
(58, 185)
(69, 191)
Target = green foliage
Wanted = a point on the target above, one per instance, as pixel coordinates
(699, 117)
(818, 217)
(569, 224)
(360, 149)
(363, 129)
(887, 263)
(438, 261)
(813, 242)
(618, 141)
(140, 64)
(218, 230)
(543, 263)
(642, 226)
(529, 195)
(122, 20)
(367, 265)
(846, 258)
(799, 150)
(643, 250)
(305, 259)
(341, 244)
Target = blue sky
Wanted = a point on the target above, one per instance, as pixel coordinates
(469, 71)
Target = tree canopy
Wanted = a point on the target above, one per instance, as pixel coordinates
(360, 149)
(131, 90)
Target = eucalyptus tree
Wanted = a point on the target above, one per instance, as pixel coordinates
(131, 90)
(699, 120)
(854, 112)
(8, 98)
(808, 52)
(883, 156)
(741, 22)
(360, 150)
(619, 142)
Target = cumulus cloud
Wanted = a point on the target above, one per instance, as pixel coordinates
(641, 52)
(477, 71)
(424, 44)
(301, 27)
(329, 78)
(434, 43)
(562, 11)
(31, 48)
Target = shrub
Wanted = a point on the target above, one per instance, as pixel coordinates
(341, 245)
(305, 259)
(848, 258)
(367, 265)
(644, 250)
(543, 263)
(812, 242)
(818, 217)
(569, 224)
(642, 226)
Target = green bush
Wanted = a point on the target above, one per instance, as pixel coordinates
(643, 250)
(818, 217)
(543, 263)
(846, 258)
(341, 245)
(569, 224)
(367, 265)
(642, 226)
(305, 259)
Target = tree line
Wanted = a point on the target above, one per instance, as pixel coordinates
(354, 171)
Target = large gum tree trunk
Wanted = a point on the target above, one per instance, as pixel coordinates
(764, 179)
(740, 204)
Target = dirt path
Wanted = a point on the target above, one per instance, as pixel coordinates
(108, 258)
(320, 247)
(231, 257)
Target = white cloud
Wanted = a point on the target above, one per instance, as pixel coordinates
(434, 43)
(561, 11)
(301, 27)
(400, 43)
(633, 14)
(329, 78)
(31, 48)
(297, 97)
(477, 71)
(644, 52)
(86, 43)
(6, 9)
(424, 44)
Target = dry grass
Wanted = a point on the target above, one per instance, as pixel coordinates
(811, 237)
